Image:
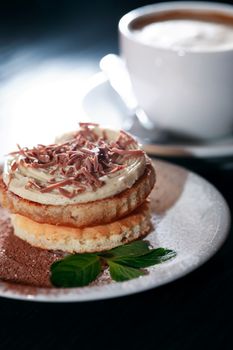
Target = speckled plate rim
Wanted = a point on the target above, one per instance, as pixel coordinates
(165, 273)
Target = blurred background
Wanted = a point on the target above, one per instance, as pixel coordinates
(48, 51)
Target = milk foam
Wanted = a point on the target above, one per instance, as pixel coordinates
(190, 35)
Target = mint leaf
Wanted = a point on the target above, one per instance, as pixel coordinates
(154, 257)
(122, 273)
(135, 248)
(75, 270)
(125, 263)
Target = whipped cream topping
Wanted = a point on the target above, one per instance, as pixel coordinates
(83, 166)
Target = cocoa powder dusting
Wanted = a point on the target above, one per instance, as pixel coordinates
(20, 262)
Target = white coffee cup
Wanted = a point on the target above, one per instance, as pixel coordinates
(182, 91)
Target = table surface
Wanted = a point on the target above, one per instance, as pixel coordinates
(48, 67)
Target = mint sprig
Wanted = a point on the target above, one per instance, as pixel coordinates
(125, 262)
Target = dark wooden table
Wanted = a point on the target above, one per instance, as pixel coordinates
(194, 312)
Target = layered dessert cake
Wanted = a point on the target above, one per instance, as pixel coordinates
(85, 193)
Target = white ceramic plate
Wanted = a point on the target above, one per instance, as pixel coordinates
(100, 103)
(189, 216)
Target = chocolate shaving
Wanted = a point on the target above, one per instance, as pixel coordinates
(32, 183)
(88, 124)
(117, 168)
(56, 185)
(67, 193)
(14, 165)
(134, 152)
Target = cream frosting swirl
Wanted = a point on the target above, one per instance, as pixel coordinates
(112, 183)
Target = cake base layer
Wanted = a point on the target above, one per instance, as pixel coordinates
(83, 240)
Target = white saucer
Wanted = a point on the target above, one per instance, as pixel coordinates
(101, 104)
(189, 216)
